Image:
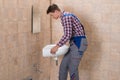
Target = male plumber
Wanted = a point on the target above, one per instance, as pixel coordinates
(74, 34)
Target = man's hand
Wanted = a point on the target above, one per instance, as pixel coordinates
(54, 49)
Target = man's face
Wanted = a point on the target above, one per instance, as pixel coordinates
(55, 14)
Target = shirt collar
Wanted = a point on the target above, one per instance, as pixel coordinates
(62, 14)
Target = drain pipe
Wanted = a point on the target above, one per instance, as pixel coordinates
(51, 37)
(51, 26)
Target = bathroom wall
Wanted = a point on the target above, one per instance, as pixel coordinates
(20, 50)
(100, 18)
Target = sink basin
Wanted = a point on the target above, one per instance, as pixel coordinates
(61, 51)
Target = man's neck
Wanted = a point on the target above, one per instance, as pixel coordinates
(60, 14)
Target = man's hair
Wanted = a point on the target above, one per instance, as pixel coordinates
(52, 8)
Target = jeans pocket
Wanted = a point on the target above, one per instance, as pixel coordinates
(83, 45)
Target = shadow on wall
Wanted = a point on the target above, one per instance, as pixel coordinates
(92, 56)
(90, 59)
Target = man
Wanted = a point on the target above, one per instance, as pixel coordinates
(75, 34)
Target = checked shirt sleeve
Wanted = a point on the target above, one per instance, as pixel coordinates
(67, 25)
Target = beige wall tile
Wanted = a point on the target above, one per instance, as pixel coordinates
(4, 72)
(2, 42)
(10, 28)
(9, 4)
(1, 3)
(24, 14)
(9, 14)
(11, 41)
(24, 3)
(24, 26)
(24, 39)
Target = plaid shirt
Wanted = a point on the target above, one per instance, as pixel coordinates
(72, 27)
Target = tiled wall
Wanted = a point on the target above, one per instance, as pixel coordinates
(101, 20)
(20, 50)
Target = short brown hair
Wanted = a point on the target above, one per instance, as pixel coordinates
(52, 8)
